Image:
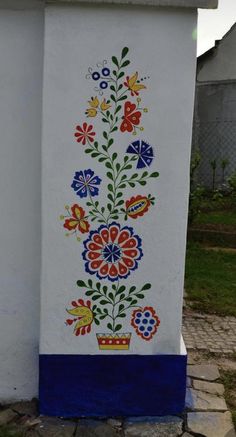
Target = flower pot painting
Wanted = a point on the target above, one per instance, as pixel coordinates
(114, 342)
(110, 248)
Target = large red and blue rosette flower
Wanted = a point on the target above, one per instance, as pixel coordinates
(112, 252)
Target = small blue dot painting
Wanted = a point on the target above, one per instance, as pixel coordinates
(101, 75)
(103, 85)
(145, 322)
(96, 75)
(105, 71)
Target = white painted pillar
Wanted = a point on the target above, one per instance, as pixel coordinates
(117, 118)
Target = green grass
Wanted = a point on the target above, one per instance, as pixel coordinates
(210, 280)
(217, 217)
(228, 378)
(225, 203)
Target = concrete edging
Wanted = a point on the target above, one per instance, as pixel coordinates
(204, 4)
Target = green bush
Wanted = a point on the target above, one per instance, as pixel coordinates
(195, 195)
(195, 201)
(232, 182)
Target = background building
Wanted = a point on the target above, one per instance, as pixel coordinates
(214, 131)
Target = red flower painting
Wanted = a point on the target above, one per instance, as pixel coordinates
(112, 252)
(131, 117)
(85, 133)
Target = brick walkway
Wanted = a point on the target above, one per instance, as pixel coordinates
(209, 333)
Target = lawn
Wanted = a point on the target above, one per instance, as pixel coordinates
(210, 280)
(217, 217)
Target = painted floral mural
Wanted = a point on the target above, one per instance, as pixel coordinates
(111, 249)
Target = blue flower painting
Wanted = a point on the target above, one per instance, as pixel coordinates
(144, 152)
(85, 183)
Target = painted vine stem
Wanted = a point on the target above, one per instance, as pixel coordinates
(112, 304)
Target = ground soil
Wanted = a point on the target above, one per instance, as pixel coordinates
(219, 227)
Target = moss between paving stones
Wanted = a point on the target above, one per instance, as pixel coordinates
(10, 431)
(228, 378)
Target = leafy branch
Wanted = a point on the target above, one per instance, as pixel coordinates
(116, 171)
(94, 211)
(118, 300)
(102, 152)
(114, 194)
(116, 95)
(136, 179)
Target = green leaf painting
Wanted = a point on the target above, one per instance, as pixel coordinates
(111, 249)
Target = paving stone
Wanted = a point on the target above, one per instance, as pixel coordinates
(209, 387)
(95, 428)
(54, 427)
(191, 360)
(189, 382)
(30, 422)
(212, 333)
(200, 401)
(167, 426)
(7, 416)
(211, 424)
(207, 372)
(28, 408)
(115, 423)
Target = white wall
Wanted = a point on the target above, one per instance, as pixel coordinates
(21, 51)
(162, 48)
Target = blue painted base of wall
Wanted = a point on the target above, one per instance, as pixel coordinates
(112, 385)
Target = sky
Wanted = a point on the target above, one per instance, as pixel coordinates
(214, 23)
